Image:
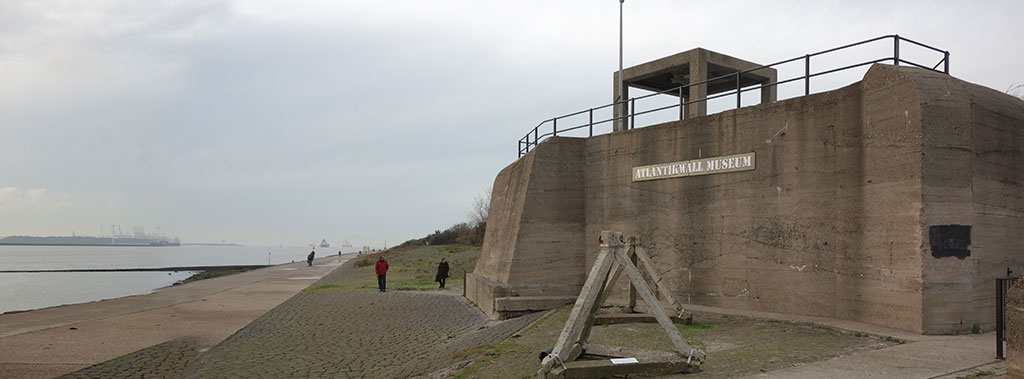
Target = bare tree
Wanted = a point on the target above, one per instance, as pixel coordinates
(481, 207)
(1016, 90)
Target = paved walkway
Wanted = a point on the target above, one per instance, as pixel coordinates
(922, 356)
(331, 333)
(930, 358)
(56, 341)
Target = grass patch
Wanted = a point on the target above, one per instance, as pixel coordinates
(980, 374)
(323, 287)
(412, 268)
(735, 346)
(365, 261)
(895, 340)
(209, 274)
(485, 356)
(696, 325)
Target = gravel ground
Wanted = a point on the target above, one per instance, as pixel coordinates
(735, 346)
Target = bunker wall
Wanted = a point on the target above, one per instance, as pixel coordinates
(826, 225)
(974, 205)
(838, 219)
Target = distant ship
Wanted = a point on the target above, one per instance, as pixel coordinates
(324, 243)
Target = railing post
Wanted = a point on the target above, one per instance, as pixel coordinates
(999, 318)
(682, 103)
(807, 74)
(535, 136)
(554, 127)
(946, 59)
(632, 114)
(896, 49)
(738, 93)
(591, 122)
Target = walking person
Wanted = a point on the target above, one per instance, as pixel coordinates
(309, 258)
(442, 272)
(382, 269)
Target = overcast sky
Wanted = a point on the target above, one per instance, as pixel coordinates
(284, 122)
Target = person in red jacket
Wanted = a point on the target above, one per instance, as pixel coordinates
(382, 269)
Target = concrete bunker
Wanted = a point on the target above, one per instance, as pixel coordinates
(696, 74)
(888, 201)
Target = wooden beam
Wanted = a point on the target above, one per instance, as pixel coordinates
(632, 288)
(573, 330)
(605, 351)
(662, 287)
(604, 368)
(601, 298)
(632, 318)
(654, 306)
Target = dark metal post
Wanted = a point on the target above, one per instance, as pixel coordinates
(807, 75)
(535, 136)
(632, 114)
(896, 49)
(1003, 286)
(682, 102)
(999, 318)
(946, 59)
(554, 127)
(622, 84)
(591, 122)
(738, 93)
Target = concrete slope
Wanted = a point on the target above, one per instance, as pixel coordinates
(56, 341)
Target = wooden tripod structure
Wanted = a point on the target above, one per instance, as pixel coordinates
(614, 258)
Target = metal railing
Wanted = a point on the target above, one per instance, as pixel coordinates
(527, 142)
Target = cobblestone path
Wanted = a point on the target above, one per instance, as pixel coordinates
(355, 334)
(360, 333)
(166, 360)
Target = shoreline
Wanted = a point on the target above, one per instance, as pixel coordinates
(141, 269)
(196, 270)
(57, 340)
(84, 244)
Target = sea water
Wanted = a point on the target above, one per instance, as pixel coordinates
(27, 291)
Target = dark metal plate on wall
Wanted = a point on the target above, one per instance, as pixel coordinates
(950, 240)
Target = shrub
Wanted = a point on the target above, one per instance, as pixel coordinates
(365, 261)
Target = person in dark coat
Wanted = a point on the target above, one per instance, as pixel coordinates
(382, 270)
(309, 258)
(442, 272)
